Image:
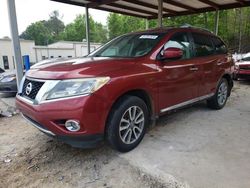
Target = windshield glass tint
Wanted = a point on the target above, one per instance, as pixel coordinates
(133, 45)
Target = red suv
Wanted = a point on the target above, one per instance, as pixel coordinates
(114, 93)
(242, 69)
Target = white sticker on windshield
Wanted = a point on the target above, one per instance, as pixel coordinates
(148, 37)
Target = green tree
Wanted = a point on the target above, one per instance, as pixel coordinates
(120, 24)
(38, 32)
(55, 25)
(76, 31)
(46, 31)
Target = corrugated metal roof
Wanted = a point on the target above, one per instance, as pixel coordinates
(148, 8)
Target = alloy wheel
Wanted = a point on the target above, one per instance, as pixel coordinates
(131, 125)
(222, 93)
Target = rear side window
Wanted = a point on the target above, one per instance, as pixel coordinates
(203, 45)
(220, 47)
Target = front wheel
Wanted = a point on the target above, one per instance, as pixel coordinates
(219, 100)
(127, 123)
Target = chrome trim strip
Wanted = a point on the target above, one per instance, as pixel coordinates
(187, 102)
(20, 89)
(64, 98)
(178, 66)
(38, 80)
(42, 93)
(24, 99)
(41, 129)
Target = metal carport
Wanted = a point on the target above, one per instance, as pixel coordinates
(147, 9)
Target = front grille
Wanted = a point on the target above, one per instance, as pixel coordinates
(36, 86)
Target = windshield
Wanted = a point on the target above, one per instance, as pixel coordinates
(133, 45)
(246, 59)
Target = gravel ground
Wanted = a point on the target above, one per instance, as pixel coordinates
(28, 158)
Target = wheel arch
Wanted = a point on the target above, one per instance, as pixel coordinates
(229, 79)
(140, 93)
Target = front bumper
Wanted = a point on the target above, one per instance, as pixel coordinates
(89, 141)
(90, 111)
(242, 74)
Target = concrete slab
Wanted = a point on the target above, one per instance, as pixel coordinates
(199, 146)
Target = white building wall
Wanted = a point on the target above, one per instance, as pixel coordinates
(6, 50)
(49, 53)
(38, 53)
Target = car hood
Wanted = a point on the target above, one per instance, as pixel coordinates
(8, 73)
(78, 68)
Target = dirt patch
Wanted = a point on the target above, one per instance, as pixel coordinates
(29, 158)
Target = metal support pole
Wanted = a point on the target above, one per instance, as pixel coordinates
(216, 24)
(87, 29)
(147, 24)
(160, 5)
(240, 32)
(15, 40)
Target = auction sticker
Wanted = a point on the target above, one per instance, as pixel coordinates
(148, 37)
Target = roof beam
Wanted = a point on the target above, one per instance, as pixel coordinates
(207, 9)
(71, 2)
(211, 3)
(181, 5)
(101, 8)
(95, 4)
(241, 1)
(148, 5)
(121, 12)
(115, 5)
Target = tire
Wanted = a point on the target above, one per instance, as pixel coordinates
(218, 101)
(125, 130)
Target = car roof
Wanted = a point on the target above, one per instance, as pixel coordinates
(175, 29)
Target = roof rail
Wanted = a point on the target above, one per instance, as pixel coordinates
(194, 27)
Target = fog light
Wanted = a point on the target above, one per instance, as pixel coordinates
(72, 125)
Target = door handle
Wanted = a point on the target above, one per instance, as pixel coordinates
(193, 68)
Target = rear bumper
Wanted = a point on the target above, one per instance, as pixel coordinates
(87, 141)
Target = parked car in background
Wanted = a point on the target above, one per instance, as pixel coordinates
(8, 84)
(115, 92)
(242, 68)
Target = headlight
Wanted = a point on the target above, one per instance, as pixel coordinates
(8, 78)
(75, 87)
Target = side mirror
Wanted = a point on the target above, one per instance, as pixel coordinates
(172, 53)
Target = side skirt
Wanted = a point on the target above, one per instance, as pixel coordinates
(186, 103)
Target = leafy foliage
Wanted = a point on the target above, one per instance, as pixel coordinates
(46, 31)
(49, 31)
(76, 31)
(231, 24)
(38, 32)
(234, 27)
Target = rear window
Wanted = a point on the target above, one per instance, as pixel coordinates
(203, 45)
(220, 47)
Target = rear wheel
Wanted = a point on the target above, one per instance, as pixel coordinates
(219, 100)
(127, 123)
